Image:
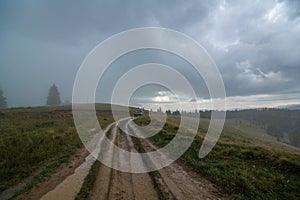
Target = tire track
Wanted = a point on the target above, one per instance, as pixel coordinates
(117, 185)
(142, 184)
(69, 187)
(105, 174)
(121, 183)
(174, 180)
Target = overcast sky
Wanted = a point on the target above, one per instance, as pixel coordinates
(255, 44)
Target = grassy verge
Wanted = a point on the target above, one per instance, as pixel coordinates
(88, 182)
(242, 171)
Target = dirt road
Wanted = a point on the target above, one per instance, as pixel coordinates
(172, 182)
(113, 184)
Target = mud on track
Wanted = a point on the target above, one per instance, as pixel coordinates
(114, 184)
(172, 182)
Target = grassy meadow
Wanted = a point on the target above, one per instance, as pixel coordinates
(35, 141)
(246, 163)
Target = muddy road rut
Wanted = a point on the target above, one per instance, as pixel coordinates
(172, 182)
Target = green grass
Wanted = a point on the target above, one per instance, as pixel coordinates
(248, 172)
(35, 141)
(31, 137)
(88, 182)
(47, 169)
(239, 168)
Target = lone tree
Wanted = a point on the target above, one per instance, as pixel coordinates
(53, 98)
(3, 103)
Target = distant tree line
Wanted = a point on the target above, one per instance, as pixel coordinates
(276, 122)
(176, 112)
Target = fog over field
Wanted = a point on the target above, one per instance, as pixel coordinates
(255, 45)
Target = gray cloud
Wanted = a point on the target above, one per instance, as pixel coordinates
(254, 43)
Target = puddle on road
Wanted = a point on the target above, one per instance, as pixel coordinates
(72, 184)
(69, 188)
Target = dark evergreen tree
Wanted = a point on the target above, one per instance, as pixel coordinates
(3, 103)
(53, 98)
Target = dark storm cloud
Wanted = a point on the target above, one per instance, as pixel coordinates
(254, 43)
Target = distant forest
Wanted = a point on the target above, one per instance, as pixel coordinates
(277, 122)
